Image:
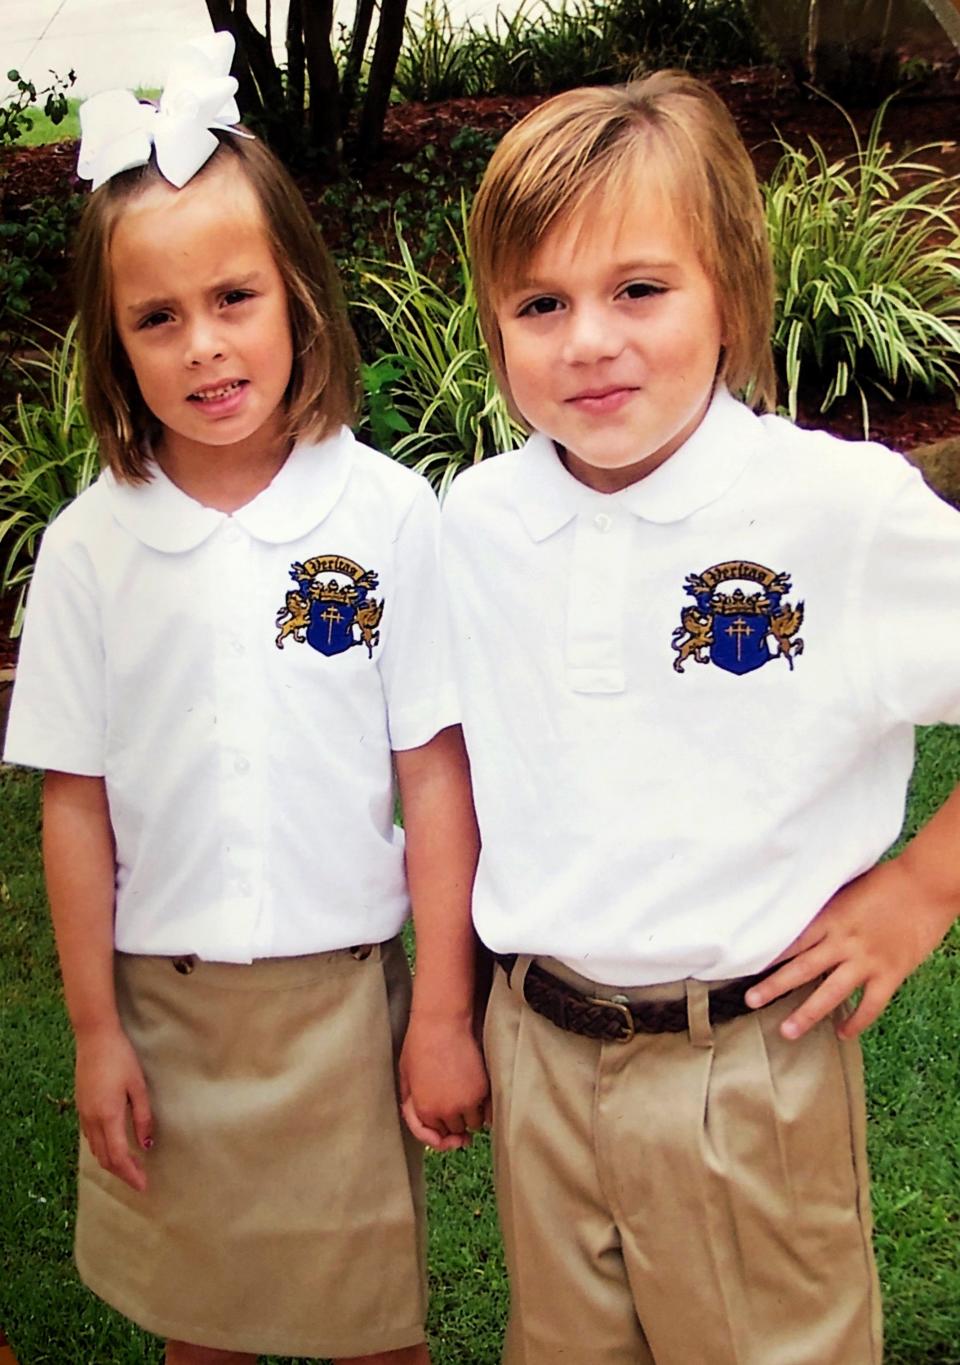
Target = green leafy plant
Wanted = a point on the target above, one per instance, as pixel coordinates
(435, 61)
(15, 111)
(48, 455)
(433, 399)
(867, 258)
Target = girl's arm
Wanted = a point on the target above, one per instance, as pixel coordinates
(442, 1077)
(78, 857)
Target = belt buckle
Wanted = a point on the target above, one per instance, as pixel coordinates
(622, 1008)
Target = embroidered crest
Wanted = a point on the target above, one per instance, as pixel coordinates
(733, 629)
(330, 608)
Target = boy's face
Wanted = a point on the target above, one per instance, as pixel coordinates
(612, 341)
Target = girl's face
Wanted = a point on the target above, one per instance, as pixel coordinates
(612, 341)
(201, 311)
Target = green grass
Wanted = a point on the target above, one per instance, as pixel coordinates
(51, 1320)
(42, 130)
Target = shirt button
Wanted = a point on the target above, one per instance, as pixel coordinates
(241, 764)
(236, 646)
(602, 522)
(243, 886)
(232, 535)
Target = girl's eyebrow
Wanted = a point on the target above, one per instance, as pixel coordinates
(157, 304)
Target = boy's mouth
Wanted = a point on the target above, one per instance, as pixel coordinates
(215, 393)
(602, 400)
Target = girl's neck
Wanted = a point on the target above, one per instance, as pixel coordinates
(223, 477)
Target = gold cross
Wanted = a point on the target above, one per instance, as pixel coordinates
(739, 630)
(331, 616)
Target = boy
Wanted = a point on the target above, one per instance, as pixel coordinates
(692, 644)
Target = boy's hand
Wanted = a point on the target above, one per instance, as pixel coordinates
(443, 1082)
(872, 933)
(109, 1079)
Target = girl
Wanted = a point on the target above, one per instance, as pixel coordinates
(231, 639)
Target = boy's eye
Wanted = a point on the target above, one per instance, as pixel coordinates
(540, 307)
(640, 289)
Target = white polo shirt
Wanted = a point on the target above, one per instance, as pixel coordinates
(240, 682)
(689, 705)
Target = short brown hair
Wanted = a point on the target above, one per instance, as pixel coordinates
(323, 387)
(553, 164)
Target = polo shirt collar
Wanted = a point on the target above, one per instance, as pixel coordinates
(302, 493)
(547, 496)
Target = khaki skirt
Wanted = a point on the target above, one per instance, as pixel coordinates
(284, 1209)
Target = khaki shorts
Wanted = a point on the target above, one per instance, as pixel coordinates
(284, 1213)
(697, 1198)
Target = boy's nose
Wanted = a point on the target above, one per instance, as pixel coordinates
(591, 335)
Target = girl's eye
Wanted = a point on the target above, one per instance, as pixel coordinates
(540, 307)
(641, 290)
(236, 295)
(154, 320)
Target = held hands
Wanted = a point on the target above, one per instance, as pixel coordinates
(108, 1080)
(872, 933)
(443, 1083)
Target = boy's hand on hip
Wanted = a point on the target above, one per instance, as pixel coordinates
(443, 1082)
(873, 933)
(108, 1080)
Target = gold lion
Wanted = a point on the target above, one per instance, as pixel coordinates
(698, 628)
(368, 619)
(293, 618)
(784, 625)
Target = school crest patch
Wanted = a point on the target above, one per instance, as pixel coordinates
(330, 609)
(734, 629)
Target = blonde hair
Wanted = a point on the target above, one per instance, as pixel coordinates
(324, 380)
(601, 141)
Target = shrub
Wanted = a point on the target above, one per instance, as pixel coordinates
(867, 258)
(47, 456)
(432, 397)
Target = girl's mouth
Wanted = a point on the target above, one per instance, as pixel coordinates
(218, 393)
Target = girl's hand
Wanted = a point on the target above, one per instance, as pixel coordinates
(108, 1080)
(873, 933)
(443, 1082)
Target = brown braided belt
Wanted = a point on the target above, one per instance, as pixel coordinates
(618, 1020)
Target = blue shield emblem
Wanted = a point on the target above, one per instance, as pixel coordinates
(740, 642)
(331, 625)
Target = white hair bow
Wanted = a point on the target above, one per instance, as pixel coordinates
(119, 132)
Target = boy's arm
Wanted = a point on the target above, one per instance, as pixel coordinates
(875, 931)
(442, 1077)
(78, 857)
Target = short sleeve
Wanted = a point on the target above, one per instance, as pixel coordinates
(910, 620)
(57, 711)
(415, 664)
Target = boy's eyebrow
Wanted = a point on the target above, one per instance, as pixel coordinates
(523, 283)
(229, 282)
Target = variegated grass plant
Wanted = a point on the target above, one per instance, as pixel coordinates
(440, 407)
(867, 257)
(48, 455)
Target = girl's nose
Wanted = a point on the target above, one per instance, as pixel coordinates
(203, 345)
(592, 334)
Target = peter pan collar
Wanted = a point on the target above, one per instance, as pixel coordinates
(547, 496)
(302, 493)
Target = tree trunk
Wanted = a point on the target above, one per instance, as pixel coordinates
(322, 74)
(382, 70)
(354, 63)
(223, 17)
(295, 61)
